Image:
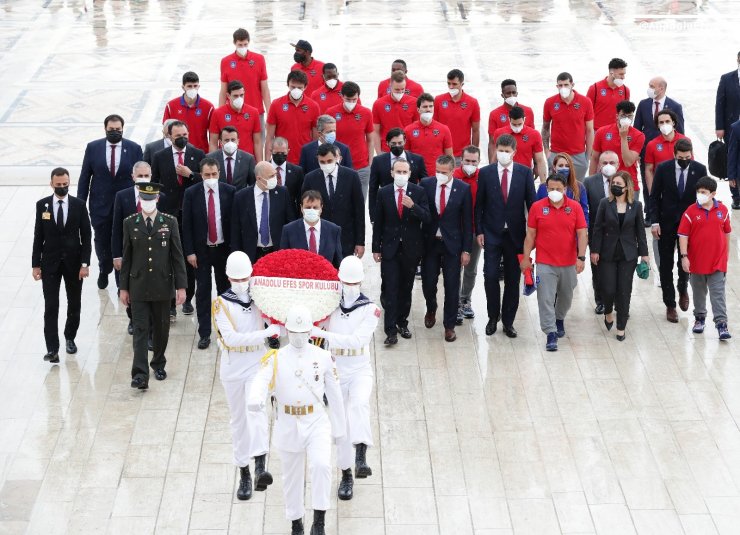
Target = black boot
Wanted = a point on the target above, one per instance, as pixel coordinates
(362, 470)
(318, 523)
(244, 492)
(344, 492)
(262, 478)
(297, 527)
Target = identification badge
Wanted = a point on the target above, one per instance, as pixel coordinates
(46, 215)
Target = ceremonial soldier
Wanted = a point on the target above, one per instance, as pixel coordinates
(299, 375)
(349, 331)
(241, 335)
(153, 267)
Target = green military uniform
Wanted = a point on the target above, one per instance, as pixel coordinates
(153, 266)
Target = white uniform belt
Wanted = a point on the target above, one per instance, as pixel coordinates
(348, 352)
(244, 349)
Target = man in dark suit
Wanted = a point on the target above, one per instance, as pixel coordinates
(106, 170)
(206, 229)
(61, 250)
(341, 191)
(726, 112)
(673, 191)
(733, 160)
(597, 188)
(236, 167)
(326, 126)
(505, 195)
(288, 174)
(398, 244)
(260, 212)
(380, 167)
(449, 240)
(153, 147)
(312, 233)
(176, 169)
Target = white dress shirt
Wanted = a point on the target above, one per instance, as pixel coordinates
(678, 174)
(108, 153)
(661, 104)
(334, 172)
(175, 158)
(438, 197)
(317, 233)
(217, 203)
(605, 180)
(65, 207)
(226, 164)
(283, 171)
(258, 196)
(401, 157)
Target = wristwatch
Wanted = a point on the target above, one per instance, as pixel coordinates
(582, 258)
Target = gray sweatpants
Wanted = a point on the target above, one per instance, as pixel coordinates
(470, 272)
(715, 284)
(554, 282)
(364, 173)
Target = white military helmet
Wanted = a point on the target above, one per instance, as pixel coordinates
(299, 319)
(350, 270)
(238, 265)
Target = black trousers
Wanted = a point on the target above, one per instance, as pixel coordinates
(397, 277)
(156, 314)
(103, 249)
(51, 281)
(616, 286)
(190, 290)
(435, 258)
(667, 245)
(596, 283)
(492, 255)
(263, 251)
(214, 260)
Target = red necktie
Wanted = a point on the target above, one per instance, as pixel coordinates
(138, 206)
(505, 185)
(229, 175)
(312, 241)
(442, 200)
(400, 203)
(212, 234)
(180, 161)
(113, 160)
(280, 175)
(657, 109)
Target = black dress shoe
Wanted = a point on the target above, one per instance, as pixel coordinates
(344, 492)
(391, 340)
(510, 331)
(187, 308)
(71, 347)
(491, 327)
(244, 492)
(608, 324)
(160, 374)
(404, 332)
(52, 356)
(130, 327)
(204, 342)
(362, 469)
(140, 383)
(262, 478)
(599, 310)
(103, 281)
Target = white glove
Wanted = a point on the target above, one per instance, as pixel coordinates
(255, 407)
(272, 330)
(317, 333)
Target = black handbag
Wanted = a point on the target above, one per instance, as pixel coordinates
(717, 158)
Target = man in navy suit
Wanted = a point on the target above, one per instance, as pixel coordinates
(206, 225)
(106, 170)
(726, 112)
(398, 244)
(673, 191)
(380, 168)
(505, 195)
(326, 126)
(260, 214)
(449, 240)
(289, 174)
(733, 161)
(313, 233)
(341, 190)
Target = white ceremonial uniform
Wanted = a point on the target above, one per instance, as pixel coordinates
(304, 425)
(348, 335)
(240, 330)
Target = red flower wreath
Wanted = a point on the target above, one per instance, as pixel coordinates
(295, 264)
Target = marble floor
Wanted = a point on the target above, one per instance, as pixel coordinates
(486, 436)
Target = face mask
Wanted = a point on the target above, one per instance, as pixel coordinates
(564, 92)
(398, 96)
(296, 93)
(191, 93)
(311, 215)
(683, 164)
(469, 169)
(240, 288)
(703, 198)
(279, 158)
(625, 121)
(298, 340)
(426, 117)
(504, 158)
(397, 150)
(241, 50)
(298, 57)
(350, 293)
(400, 181)
(442, 178)
(666, 129)
(148, 206)
(616, 190)
(516, 129)
(180, 142)
(619, 82)
(454, 92)
(555, 196)
(565, 171)
(61, 191)
(113, 136)
(330, 137)
(331, 83)
(211, 183)
(237, 103)
(608, 170)
(349, 106)
(650, 93)
(511, 101)
(271, 182)
(327, 167)
(230, 147)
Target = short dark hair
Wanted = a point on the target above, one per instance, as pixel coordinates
(564, 76)
(617, 63)
(516, 113)
(394, 132)
(241, 34)
(312, 195)
(683, 145)
(234, 85)
(398, 76)
(557, 177)
(190, 78)
(424, 97)
(208, 161)
(456, 73)
(506, 82)
(669, 113)
(173, 124)
(472, 149)
(297, 76)
(58, 171)
(326, 148)
(350, 89)
(328, 66)
(230, 129)
(402, 62)
(113, 118)
(707, 183)
(400, 160)
(625, 106)
(505, 140)
(446, 159)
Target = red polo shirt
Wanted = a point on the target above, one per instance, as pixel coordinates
(607, 138)
(659, 150)
(249, 70)
(196, 117)
(499, 117)
(458, 117)
(391, 114)
(246, 121)
(707, 233)
(528, 143)
(430, 141)
(315, 73)
(604, 100)
(556, 242)
(352, 127)
(412, 88)
(568, 127)
(471, 181)
(327, 98)
(294, 122)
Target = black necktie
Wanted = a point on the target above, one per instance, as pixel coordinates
(149, 225)
(60, 217)
(681, 182)
(331, 187)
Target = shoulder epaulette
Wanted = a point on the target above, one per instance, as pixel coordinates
(130, 216)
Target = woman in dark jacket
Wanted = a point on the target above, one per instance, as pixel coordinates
(618, 241)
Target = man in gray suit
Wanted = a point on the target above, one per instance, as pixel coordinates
(597, 187)
(154, 147)
(236, 167)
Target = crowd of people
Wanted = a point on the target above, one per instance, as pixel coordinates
(229, 184)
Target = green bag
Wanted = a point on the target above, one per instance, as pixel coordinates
(643, 270)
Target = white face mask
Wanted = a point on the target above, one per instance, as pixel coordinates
(666, 129)
(148, 207)
(238, 102)
(619, 82)
(426, 117)
(240, 288)
(331, 83)
(442, 178)
(397, 96)
(511, 101)
(298, 340)
(516, 129)
(191, 93)
(504, 158)
(350, 293)
(211, 183)
(142, 179)
(230, 147)
(311, 215)
(296, 93)
(400, 181)
(328, 167)
(564, 92)
(272, 183)
(703, 198)
(469, 169)
(454, 92)
(651, 93)
(608, 170)
(625, 121)
(241, 50)
(349, 106)
(555, 196)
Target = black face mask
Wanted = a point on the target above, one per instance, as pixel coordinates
(683, 164)
(61, 191)
(113, 136)
(617, 190)
(397, 150)
(279, 158)
(180, 142)
(299, 58)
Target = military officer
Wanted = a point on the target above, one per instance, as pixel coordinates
(241, 336)
(348, 331)
(299, 375)
(152, 268)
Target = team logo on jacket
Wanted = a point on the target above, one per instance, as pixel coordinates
(415, 133)
(227, 117)
(304, 108)
(659, 147)
(545, 210)
(246, 116)
(557, 106)
(338, 116)
(358, 117)
(464, 105)
(387, 107)
(198, 112)
(609, 136)
(322, 96)
(502, 117)
(445, 104)
(719, 214)
(603, 92)
(621, 92)
(312, 72)
(285, 107)
(435, 132)
(568, 209)
(232, 64)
